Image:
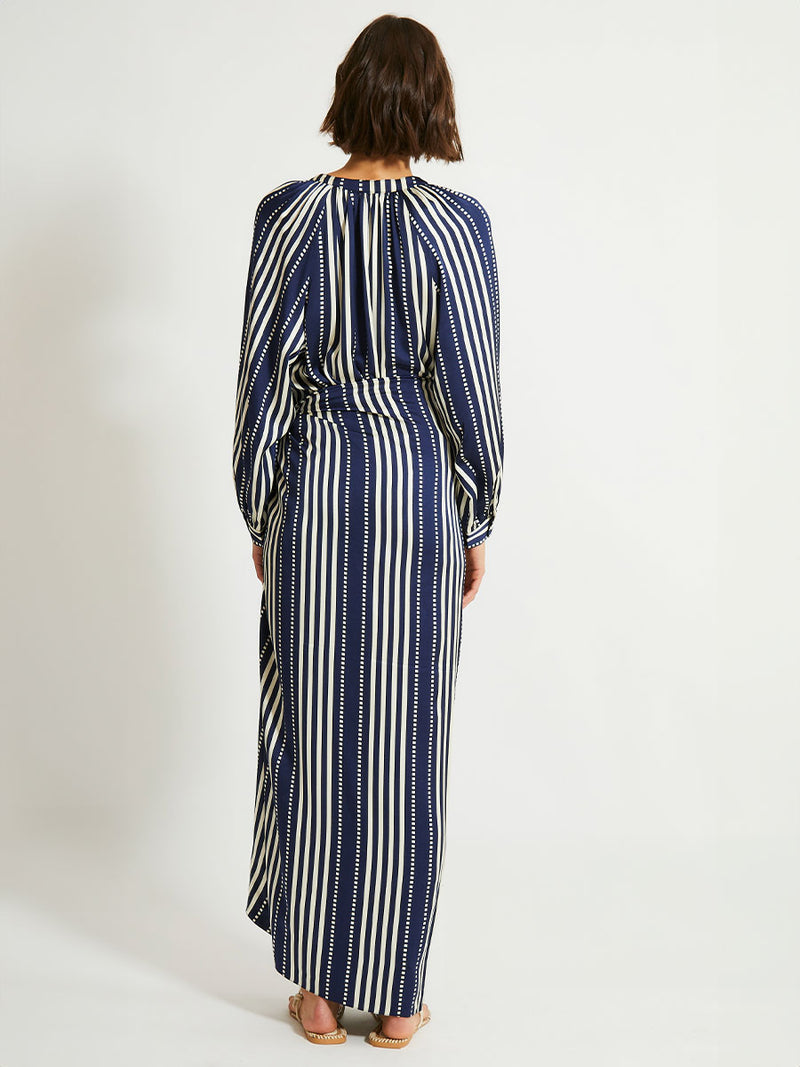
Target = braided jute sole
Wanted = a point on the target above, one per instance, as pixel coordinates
(380, 1040)
(333, 1037)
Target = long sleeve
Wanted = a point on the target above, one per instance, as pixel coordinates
(467, 369)
(273, 336)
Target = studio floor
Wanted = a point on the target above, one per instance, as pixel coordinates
(560, 953)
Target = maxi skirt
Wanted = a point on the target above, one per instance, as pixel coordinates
(360, 640)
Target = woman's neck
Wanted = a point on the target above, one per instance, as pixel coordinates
(373, 168)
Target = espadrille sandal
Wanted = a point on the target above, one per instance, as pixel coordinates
(333, 1037)
(380, 1040)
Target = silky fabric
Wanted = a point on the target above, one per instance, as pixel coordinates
(367, 455)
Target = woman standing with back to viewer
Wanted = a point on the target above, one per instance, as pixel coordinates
(368, 456)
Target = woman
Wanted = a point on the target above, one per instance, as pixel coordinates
(368, 460)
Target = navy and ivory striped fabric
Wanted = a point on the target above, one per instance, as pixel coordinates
(368, 453)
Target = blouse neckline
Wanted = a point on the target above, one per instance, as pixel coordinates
(369, 185)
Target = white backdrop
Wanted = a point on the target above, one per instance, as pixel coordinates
(623, 817)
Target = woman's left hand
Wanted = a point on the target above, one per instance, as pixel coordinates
(258, 559)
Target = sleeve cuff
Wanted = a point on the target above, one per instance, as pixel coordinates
(478, 532)
(257, 538)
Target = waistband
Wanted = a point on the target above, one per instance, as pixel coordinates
(376, 394)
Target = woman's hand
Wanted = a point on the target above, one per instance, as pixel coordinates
(258, 559)
(474, 572)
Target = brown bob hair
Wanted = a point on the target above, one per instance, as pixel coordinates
(394, 95)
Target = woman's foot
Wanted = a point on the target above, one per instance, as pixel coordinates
(402, 1025)
(316, 1014)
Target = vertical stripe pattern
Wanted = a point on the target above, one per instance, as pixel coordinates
(367, 453)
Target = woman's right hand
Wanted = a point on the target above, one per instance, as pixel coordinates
(474, 572)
